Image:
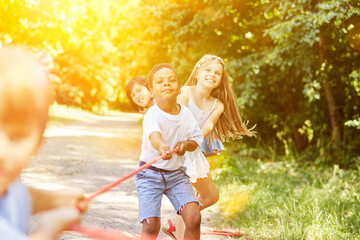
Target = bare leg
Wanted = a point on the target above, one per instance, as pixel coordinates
(192, 218)
(150, 228)
(208, 193)
(179, 225)
(208, 196)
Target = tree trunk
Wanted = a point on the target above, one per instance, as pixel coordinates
(329, 96)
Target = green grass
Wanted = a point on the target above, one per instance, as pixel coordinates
(288, 200)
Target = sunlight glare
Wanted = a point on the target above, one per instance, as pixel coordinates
(236, 202)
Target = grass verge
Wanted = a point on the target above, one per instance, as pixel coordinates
(288, 200)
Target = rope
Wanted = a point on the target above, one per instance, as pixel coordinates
(99, 233)
(223, 233)
(105, 234)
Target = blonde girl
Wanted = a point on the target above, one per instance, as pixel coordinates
(208, 95)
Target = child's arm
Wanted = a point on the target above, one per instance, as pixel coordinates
(158, 143)
(186, 146)
(44, 200)
(212, 119)
(62, 208)
(184, 95)
(54, 222)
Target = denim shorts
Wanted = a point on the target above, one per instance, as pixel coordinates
(152, 184)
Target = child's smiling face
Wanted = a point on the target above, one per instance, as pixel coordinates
(210, 74)
(140, 95)
(165, 84)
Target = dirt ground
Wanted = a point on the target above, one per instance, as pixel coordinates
(90, 154)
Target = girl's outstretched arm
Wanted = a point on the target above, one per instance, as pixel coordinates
(212, 119)
(184, 95)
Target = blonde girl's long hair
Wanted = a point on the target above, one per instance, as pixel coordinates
(230, 124)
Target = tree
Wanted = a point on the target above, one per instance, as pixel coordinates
(294, 64)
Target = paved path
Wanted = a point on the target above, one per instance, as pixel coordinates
(91, 153)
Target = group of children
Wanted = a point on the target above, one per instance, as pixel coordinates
(195, 118)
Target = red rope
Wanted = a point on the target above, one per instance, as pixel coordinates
(105, 234)
(223, 233)
(113, 184)
(100, 233)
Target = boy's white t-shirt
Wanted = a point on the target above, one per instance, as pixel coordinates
(173, 129)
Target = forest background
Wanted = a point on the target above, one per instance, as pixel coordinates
(294, 67)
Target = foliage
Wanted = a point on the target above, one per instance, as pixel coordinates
(285, 59)
(280, 55)
(93, 46)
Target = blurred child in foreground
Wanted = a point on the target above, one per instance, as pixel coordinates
(24, 104)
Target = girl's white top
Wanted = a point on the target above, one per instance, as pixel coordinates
(199, 114)
(196, 163)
